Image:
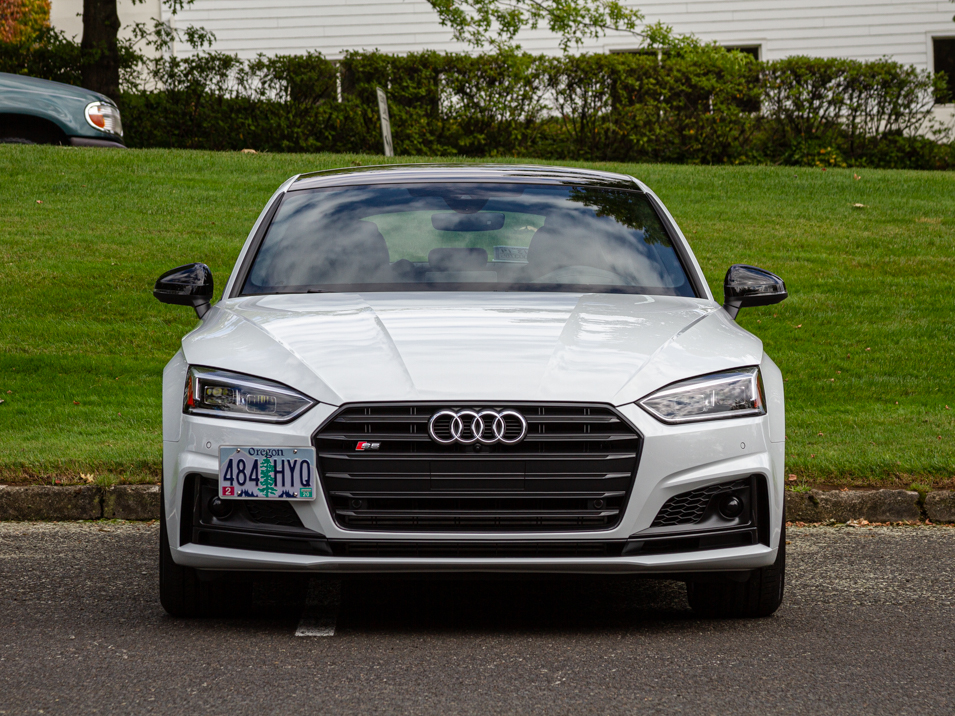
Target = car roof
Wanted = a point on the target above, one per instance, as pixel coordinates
(427, 173)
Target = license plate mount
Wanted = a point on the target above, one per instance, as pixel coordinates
(267, 473)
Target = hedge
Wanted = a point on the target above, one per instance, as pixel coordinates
(701, 104)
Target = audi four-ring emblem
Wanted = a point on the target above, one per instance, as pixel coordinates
(487, 427)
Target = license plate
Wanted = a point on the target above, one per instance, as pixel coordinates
(267, 473)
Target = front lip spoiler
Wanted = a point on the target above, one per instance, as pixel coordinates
(718, 560)
(101, 143)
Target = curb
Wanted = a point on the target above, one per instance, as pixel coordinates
(84, 502)
(141, 502)
(870, 505)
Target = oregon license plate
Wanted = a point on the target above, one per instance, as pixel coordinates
(267, 473)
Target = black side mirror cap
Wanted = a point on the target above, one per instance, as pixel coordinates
(750, 286)
(189, 285)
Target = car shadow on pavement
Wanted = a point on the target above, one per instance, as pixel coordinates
(461, 604)
(493, 604)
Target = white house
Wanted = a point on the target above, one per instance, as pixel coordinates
(917, 32)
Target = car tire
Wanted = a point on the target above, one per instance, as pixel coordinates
(179, 587)
(759, 596)
(183, 592)
(15, 140)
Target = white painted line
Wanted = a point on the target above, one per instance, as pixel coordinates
(320, 614)
(316, 627)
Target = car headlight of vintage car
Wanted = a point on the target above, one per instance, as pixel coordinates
(221, 394)
(104, 117)
(733, 393)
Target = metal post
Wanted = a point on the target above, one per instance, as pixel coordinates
(385, 122)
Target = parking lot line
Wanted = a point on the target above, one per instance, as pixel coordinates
(320, 615)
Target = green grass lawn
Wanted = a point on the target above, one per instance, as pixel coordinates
(866, 339)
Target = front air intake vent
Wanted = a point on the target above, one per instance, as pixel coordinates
(689, 508)
(572, 470)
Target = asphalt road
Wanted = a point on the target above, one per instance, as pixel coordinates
(868, 625)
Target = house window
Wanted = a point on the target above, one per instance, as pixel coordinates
(752, 50)
(943, 50)
(639, 51)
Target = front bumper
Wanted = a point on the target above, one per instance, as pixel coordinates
(674, 460)
(97, 142)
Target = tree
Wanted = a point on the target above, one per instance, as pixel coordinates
(22, 20)
(497, 22)
(267, 478)
(101, 46)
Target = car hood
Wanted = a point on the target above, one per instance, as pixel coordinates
(48, 88)
(343, 348)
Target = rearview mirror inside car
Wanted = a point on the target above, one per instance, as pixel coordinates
(482, 221)
(750, 286)
(189, 285)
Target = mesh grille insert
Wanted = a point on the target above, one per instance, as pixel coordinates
(688, 508)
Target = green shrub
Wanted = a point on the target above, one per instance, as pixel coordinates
(695, 103)
(862, 110)
(496, 102)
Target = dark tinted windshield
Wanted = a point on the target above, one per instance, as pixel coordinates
(466, 237)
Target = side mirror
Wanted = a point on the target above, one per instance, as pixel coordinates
(750, 286)
(189, 285)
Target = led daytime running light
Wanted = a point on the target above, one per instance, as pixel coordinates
(734, 393)
(222, 394)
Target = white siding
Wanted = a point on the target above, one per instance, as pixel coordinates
(860, 29)
(67, 15)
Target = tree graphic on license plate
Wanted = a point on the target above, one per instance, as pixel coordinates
(267, 477)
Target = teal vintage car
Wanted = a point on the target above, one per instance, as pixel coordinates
(35, 111)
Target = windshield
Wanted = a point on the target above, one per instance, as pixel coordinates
(466, 237)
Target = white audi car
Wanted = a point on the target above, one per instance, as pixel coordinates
(470, 368)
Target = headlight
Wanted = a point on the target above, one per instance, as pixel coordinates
(104, 117)
(734, 393)
(220, 394)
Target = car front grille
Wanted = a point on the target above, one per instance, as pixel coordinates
(572, 472)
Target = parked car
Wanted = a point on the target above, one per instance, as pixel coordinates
(471, 369)
(35, 111)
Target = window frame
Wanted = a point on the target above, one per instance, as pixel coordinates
(932, 39)
(744, 47)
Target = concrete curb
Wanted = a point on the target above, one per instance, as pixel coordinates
(845, 505)
(131, 502)
(141, 502)
(84, 502)
(940, 506)
(37, 502)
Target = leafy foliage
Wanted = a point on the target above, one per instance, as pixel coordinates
(683, 102)
(50, 55)
(497, 22)
(23, 20)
